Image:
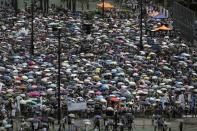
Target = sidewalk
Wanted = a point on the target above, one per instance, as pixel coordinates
(140, 124)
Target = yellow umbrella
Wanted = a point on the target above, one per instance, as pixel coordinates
(98, 70)
(96, 78)
(146, 78)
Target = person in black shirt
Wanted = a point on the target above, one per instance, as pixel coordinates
(181, 126)
(97, 124)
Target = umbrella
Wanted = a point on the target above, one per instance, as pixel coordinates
(8, 126)
(87, 122)
(99, 97)
(96, 78)
(160, 16)
(34, 94)
(123, 98)
(72, 115)
(52, 86)
(98, 93)
(103, 100)
(91, 92)
(114, 99)
(159, 91)
(2, 69)
(33, 120)
(22, 102)
(110, 109)
(185, 55)
(142, 93)
(10, 90)
(98, 117)
(195, 91)
(30, 102)
(130, 103)
(104, 87)
(167, 68)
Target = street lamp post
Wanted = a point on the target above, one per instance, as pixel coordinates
(58, 31)
(32, 27)
(116, 121)
(103, 10)
(141, 32)
(59, 75)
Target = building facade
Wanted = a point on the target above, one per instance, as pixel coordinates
(5, 3)
(184, 20)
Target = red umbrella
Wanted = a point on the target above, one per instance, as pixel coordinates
(114, 99)
(34, 94)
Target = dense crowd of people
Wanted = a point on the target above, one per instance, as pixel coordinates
(102, 66)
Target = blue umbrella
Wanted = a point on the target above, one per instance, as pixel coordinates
(123, 98)
(99, 97)
(98, 117)
(104, 87)
(7, 78)
(160, 16)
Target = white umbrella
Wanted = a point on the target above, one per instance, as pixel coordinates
(91, 92)
(185, 54)
(163, 89)
(132, 83)
(159, 91)
(72, 115)
(110, 109)
(103, 100)
(155, 86)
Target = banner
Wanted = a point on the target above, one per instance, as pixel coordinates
(77, 106)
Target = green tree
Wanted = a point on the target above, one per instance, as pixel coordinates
(15, 5)
(84, 3)
(74, 4)
(87, 4)
(70, 4)
(44, 6)
(41, 4)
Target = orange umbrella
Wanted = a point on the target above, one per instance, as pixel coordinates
(106, 5)
(163, 27)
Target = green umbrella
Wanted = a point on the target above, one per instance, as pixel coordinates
(30, 102)
(167, 68)
(9, 95)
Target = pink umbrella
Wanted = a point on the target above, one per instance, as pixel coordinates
(30, 63)
(118, 41)
(34, 94)
(98, 93)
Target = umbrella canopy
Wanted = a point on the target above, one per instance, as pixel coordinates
(160, 16)
(114, 99)
(110, 109)
(106, 5)
(72, 115)
(153, 14)
(34, 94)
(98, 117)
(162, 28)
(104, 87)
